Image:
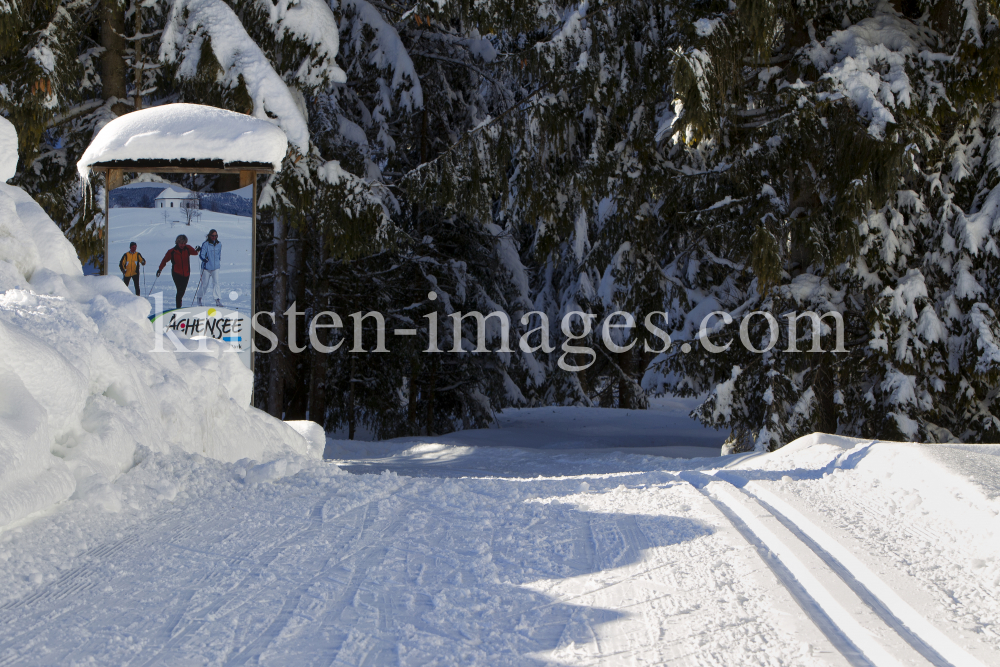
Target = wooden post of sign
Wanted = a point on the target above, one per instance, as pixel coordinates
(250, 178)
(113, 178)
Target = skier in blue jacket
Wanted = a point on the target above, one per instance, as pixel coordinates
(211, 262)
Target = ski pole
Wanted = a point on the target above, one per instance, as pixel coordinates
(200, 278)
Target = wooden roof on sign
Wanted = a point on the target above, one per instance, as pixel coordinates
(184, 166)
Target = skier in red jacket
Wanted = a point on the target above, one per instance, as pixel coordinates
(180, 265)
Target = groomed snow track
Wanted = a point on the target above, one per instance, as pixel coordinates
(689, 567)
(859, 614)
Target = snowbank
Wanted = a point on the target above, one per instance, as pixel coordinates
(186, 132)
(944, 498)
(311, 431)
(81, 388)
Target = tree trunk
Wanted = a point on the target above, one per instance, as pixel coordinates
(824, 384)
(113, 69)
(276, 383)
(351, 423)
(297, 404)
(137, 58)
(319, 361)
(624, 385)
(317, 388)
(411, 411)
(424, 148)
(430, 397)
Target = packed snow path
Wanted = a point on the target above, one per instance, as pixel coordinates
(336, 569)
(626, 560)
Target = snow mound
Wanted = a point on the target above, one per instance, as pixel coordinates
(311, 431)
(935, 508)
(950, 488)
(82, 389)
(272, 471)
(8, 150)
(186, 132)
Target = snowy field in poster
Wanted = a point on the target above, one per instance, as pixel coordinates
(154, 231)
(135, 216)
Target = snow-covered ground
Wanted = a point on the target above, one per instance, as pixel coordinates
(665, 429)
(830, 552)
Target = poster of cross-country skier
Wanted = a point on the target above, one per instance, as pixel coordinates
(187, 252)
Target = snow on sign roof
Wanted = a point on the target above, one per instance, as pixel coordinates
(186, 133)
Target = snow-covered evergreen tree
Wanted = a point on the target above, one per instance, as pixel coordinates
(414, 86)
(852, 186)
(766, 156)
(568, 164)
(410, 390)
(50, 72)
(365, 92)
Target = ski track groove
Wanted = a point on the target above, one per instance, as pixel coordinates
(935, 646)
(838, 637)
(78, 579)
(261, 565)
(291, 602)
(607, 545)
(866, 595)
(819, 616)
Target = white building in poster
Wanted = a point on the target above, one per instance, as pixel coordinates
(171, 198)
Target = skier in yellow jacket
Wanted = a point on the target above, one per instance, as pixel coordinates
(129, 265)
